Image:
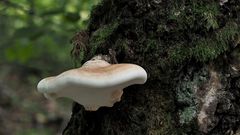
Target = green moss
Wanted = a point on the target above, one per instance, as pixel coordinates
(151, 45)
(211, 47)
(102, 35)
(195, 14)
(208, 15)
(179, 54)
(205, 48)
(200, 23)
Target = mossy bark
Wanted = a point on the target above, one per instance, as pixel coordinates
(190, 49)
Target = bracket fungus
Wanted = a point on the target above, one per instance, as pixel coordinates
(97, 83)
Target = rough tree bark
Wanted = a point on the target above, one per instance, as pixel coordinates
(191, 51)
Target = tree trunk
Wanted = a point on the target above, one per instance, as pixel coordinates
(191, 51)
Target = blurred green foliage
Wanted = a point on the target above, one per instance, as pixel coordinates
(36, 33)
(35, 42)
(36, 132)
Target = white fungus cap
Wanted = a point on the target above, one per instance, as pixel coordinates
(97, 83)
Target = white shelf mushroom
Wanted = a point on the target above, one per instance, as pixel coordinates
(97, 83)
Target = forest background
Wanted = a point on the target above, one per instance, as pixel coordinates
(34, 43)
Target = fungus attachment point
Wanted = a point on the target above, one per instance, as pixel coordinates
(97, 83)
